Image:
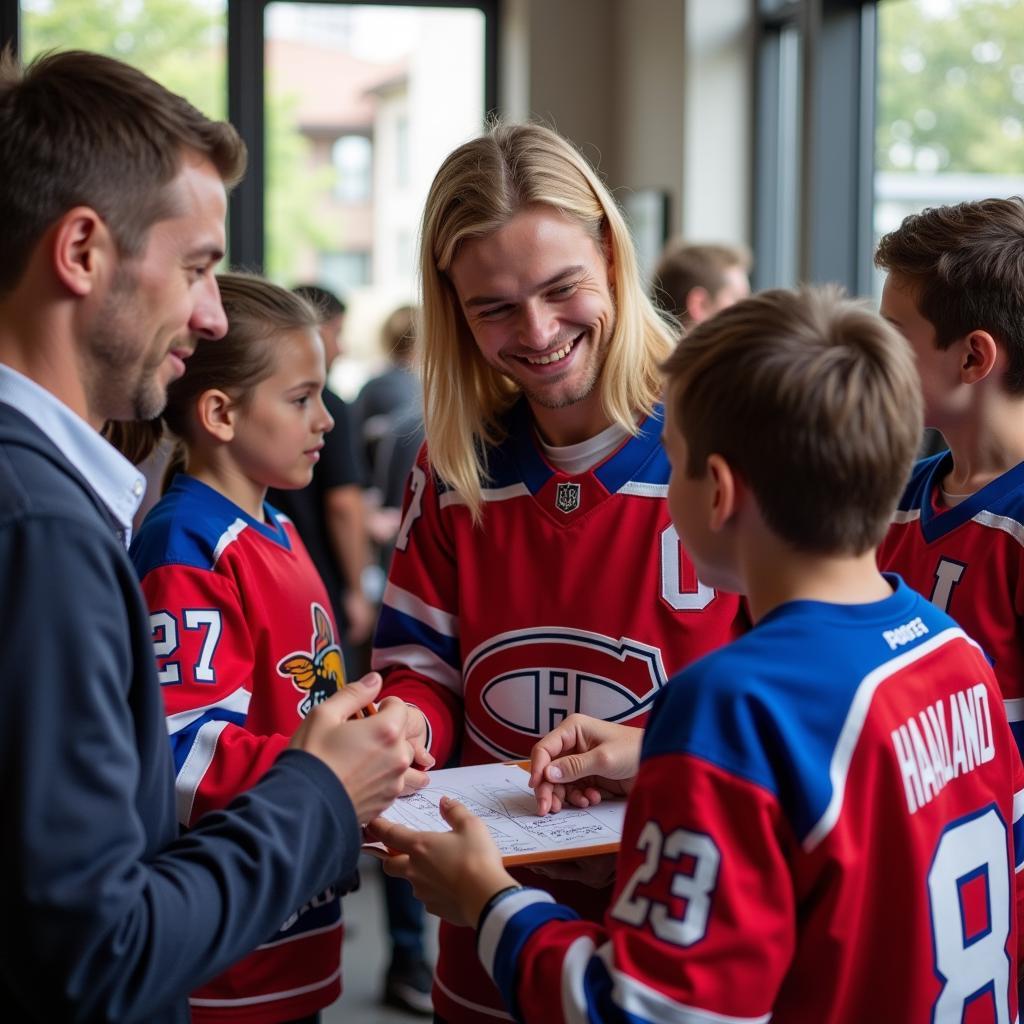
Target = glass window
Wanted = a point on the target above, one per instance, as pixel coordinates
(180, 43)
(352, 157)
(950, 105)
(363, 103)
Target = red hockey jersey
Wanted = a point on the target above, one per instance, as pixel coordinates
(969, 561)
(573, 595)
(246, 647)
(824, 830)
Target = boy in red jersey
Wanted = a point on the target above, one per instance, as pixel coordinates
(955, 290)
(822, 827)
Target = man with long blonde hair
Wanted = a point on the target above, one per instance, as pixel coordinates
(536, 571)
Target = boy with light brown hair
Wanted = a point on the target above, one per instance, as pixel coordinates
(955, 290)
(793, 847)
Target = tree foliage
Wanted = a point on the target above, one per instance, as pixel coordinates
(951, 86)
(182, 44)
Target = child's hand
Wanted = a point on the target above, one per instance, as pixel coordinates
(583, 759)
(416, 737)
(454, 873)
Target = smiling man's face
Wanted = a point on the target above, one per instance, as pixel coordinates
(537, 297)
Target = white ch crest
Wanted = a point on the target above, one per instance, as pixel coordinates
(567, 498)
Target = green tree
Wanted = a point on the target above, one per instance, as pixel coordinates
(182, 44)
(951, 86)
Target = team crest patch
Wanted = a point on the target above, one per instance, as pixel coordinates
(317, 673)
(567, 497)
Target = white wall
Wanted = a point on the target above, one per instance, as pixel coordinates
(658, 92)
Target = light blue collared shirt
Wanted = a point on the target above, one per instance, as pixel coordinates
(111, 475)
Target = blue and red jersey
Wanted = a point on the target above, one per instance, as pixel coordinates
(969, 561)
(246, 646)
(826, 828)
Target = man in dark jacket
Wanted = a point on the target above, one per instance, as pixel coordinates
(112, 200)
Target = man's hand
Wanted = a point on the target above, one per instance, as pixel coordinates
(454, 873)
(370, 756)
(416, 738)
(582, 760)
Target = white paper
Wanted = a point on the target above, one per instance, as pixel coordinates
(499, 795)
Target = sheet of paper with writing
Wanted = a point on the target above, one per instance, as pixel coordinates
(498, 794)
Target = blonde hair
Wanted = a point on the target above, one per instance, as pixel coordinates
(814, 401)
(479, 188)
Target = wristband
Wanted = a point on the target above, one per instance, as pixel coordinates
(495, 900)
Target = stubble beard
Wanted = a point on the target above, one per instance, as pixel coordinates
(122, 387)
(583, 390)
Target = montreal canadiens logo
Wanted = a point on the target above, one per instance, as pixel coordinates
(519, 685)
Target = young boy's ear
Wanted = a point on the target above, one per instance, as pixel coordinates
(728, 492)
(980, 355)
(216, 413)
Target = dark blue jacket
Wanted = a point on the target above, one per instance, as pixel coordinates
(105, 912)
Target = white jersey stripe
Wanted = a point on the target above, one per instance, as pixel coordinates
(228, 537)
(906, 515)
(409, 604)
(269, 997)
(1018, 806)
(238, 702)
(574, 969)
(488, 494)
(419, 659)
(477, 1008)
(499, 916)
(639, 489)
(199, 759)
(649, 1004)
(1014, 709)
(854, 723)
(1004, 523)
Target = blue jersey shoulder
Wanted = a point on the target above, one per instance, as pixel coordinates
(770, 706)
(641, 459)
(191, 524)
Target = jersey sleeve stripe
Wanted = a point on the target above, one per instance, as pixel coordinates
(396, 628)
(229, 536)
(639, 489)
(183, 741)
(1004, 523)
(200, 756)
(906, 515)
(1014, 709)
(236, 703)
(640, 1002)
(499, 916)
(854, 723)
(515, 925)
(418, 659)
(404, 601)
(488, 494)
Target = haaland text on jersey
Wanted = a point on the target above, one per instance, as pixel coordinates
(933, 748)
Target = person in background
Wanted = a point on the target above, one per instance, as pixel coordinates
(389, 411)
(955, 290)
(329, 513)
(693, 281)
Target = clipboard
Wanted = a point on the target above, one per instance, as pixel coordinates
(498, 794)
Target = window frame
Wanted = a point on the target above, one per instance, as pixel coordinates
(246, 81)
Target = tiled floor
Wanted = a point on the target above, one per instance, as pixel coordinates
(365, 956)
